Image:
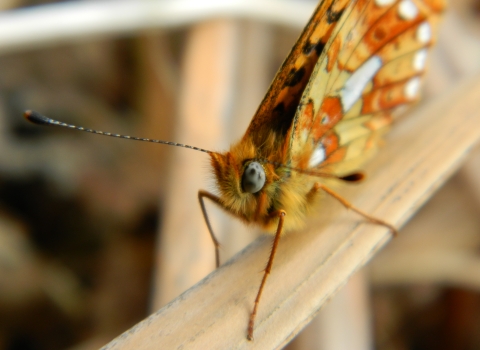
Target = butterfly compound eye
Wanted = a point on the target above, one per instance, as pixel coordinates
(253, 178)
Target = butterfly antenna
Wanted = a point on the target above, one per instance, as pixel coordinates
(39, 119)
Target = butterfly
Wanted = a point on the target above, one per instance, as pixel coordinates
(356, 65)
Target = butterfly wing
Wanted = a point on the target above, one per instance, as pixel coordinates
(370, 70)
(277, 110)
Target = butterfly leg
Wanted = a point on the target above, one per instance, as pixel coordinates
(216, 200)
(318, 186)
(281, 217)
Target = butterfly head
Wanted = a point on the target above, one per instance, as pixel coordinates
(243, 180)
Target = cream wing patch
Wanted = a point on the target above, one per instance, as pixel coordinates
(357, 82)
(424, 33)
(318, 156)
(384, 2)
(412, 88)
(407, 10)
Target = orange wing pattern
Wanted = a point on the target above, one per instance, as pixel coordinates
(371, 68)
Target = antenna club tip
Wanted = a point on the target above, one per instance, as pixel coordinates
(36, 118)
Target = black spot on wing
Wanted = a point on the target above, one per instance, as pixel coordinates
(309, 47)
(279, 109)
(333, 16)
(283, 117)
(295, 76)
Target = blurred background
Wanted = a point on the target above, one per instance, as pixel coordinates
(97, 233)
